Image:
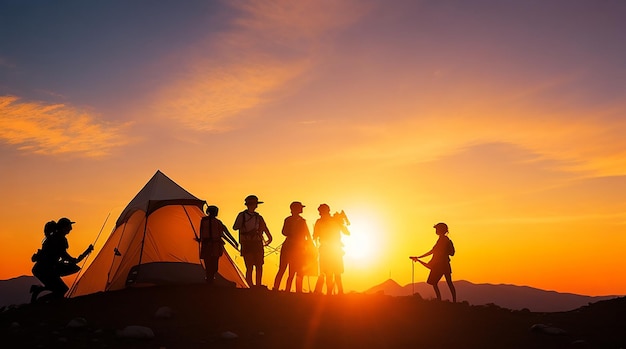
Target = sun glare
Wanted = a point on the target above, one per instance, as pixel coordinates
(359, 245)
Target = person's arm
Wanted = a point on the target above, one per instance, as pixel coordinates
(307, 235)
(66, 257)
(266, 230)
(238, 222)
(422, 256)
(62, 245)
(228, 236)
(84, 254)
(285, 230)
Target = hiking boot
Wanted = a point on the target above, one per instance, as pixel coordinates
(35, 290)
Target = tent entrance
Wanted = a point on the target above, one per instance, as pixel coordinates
(163, 273)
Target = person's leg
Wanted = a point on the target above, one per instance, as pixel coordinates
(212, 268)
(259, 274)
(281, 271)
(437, 292)
(319, 285)
(249, 267)
(339, 283)
(451, 286)
(299, 282)
(58, 289)
(292, 274)
(330, 284)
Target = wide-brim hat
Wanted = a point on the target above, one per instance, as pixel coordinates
(297, 204)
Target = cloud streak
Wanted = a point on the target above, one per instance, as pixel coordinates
(57, 129)
(271, 45)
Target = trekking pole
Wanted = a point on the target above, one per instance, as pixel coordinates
(87, 257)
(413, 276)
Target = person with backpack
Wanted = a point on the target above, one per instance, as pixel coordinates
(52, 261)
(251, 226)
(211, 244)
(439, 264)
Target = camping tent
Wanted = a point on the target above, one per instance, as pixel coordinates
(153, 242)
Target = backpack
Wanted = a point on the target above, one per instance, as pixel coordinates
(451, 250)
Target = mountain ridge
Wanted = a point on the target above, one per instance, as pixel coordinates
(504, 295)
(514, 297)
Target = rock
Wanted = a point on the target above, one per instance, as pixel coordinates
(549, 330)
(79, 322)
(164, 313)
(229, 335)
(137, 332)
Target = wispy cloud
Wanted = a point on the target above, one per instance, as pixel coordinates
(57, 129)
(272, 44)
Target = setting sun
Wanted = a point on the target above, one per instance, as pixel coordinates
(360, 245)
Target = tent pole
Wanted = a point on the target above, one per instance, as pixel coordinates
(71, 290)
(143, 240)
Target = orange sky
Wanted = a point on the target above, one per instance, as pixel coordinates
(504, 120)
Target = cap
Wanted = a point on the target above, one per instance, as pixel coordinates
(296, 204)
(64, 222)
(442, 226)
(253, 198)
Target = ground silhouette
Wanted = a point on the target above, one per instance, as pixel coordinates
(199, 316)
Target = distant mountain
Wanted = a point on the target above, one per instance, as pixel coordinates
(506, 296)
(16, 290)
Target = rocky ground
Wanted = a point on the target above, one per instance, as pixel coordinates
(197, 316)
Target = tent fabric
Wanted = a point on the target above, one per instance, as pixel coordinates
(159, 191)
(157, 230)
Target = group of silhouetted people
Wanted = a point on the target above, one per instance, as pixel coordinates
(301, 253)
(53, 262)
(298, 254)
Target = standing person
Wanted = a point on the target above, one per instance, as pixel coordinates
(211, 244)
(52, 261)
(327, 233)
(293, 251)
(439, 264)
(251, 226)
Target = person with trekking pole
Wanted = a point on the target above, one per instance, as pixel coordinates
(439, 264)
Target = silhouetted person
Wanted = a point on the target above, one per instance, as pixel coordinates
(251, 226)
(293, 251)
(211, 244)
(53, 261)
(439, 264)
(327, 232)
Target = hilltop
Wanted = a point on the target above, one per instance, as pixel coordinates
(199, 317)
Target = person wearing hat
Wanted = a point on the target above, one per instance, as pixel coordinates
(53, 262)
(439, 264)
(327, 233)
(293, 250)
(251, 227)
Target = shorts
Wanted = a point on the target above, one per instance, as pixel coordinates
(437, 272)
(253, 259)
(253, 253)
